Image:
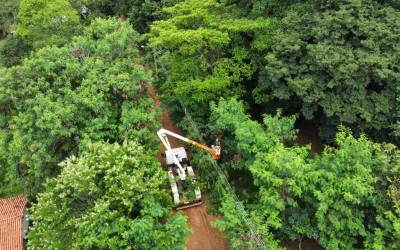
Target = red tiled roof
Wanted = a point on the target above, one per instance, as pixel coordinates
(11, 218)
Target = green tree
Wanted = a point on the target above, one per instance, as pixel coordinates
(282, 176)
(47, 22)
(385, 200)
(140, 13)
(13, 51)
(243, 141)
(338, 63)
(111, 197)
(344, 198)
(143, 13)
(352, 192)
(61, 97)
(8, 16)
(396, 126)
(336, 198)
(206, 52)
(238, 234)
(245, 137)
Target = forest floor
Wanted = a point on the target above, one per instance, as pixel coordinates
(204, 236)
(308, 134)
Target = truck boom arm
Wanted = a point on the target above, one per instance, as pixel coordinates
(215, 151)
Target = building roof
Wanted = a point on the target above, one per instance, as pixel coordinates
(11, 223)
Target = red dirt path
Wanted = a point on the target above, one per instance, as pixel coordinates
(204, 236)
(308, 134)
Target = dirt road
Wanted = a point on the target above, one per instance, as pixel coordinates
(204, 236)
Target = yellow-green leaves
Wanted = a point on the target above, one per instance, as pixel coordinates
(110, 197)
(61, 97)
(206, 50)
(345, 194)
(47, 22)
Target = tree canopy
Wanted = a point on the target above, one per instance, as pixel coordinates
(60, 97)
(8, 16)
(13, 51)
(205, 50)
(47, 22)
(340, 197)
(140, 13)
(77, 124)
(339, 62)
(111, 197)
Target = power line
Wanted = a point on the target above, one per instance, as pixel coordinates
(254, 235)
(228, 188)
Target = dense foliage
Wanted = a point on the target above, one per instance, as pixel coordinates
(205, 47)
(111, 197)
(248, 72)
(339, 198)
(61, 97)
(8, 16)
(334, 62)
(344, 69)
(13, 51)
(47, 22)
(140, 13)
